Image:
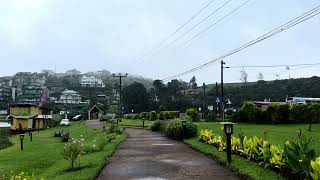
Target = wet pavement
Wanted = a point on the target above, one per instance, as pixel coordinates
(148, 155)
(94, 124)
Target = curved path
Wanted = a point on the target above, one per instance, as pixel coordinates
(150, 155)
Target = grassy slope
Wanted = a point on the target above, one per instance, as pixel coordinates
(43, 156)
(134, 123)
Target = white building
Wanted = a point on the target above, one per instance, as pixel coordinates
(69, 97)
(91, 81)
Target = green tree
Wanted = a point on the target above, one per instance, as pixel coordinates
(135, 97)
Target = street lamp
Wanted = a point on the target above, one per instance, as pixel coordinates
(21, 141)
(184, 124)
(30, 134)
(228, 130)
(143, 119)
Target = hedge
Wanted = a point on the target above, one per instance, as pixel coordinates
(163, 115)
(278, 113)
(173, 128)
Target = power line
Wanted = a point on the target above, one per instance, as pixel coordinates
(177, 30)
(196, 25)
(272, 66)
(305, 16)
(215, 23)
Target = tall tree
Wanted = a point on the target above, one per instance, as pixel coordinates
(135, 97)
(244, 76)
(260, 76)
(193, 83)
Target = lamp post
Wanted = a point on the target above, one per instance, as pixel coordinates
(228, 130)
(184, 123)
(30, 134)
(143, 119)
(21, 141)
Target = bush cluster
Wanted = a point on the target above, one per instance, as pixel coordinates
(163, 115)
(296, 158)
(173, 128)
(114, 129)
(278, 113)
(192, 114)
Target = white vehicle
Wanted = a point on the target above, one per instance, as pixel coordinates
(65, 122)
(302, 100)
(77, 117)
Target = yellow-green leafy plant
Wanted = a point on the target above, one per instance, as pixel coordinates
(265, 154)
(315, 169)
(205, 135)
(276, 159)
(235, 144)
(251, 147)
(298, 155)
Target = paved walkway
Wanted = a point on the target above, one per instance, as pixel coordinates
(94, 124)
(149, 155)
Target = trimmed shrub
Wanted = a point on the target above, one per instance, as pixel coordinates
(156, 125)
(152, 115)
(169, 115)
(144, 115)
(192, 114)
(174, 129)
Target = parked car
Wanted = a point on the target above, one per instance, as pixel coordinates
(65, 122)
(77, 117)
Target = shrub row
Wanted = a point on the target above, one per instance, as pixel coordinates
(163, 115)
(174, 129)
(297, 158)
(279, 113)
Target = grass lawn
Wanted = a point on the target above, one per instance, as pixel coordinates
(276, 134)
(135, 123)
(43, 156)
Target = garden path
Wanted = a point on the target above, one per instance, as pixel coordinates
(150, 155)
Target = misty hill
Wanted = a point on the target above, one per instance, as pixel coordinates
(276, 90)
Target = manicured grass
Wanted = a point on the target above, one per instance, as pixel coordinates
(276, 134)
(43, 156)
(135, 123)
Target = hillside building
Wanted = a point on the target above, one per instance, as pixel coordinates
(91, 81)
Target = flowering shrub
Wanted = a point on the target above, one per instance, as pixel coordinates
(72, 151)
(19, 176)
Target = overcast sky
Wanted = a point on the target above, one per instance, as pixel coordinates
(113, 34)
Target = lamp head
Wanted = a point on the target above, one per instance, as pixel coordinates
(228, 127)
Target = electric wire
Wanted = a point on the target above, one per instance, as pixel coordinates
(305, 16)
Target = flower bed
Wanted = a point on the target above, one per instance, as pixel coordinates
(297, 159)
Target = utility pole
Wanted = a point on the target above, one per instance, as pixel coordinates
(222, 93)
(217, 95)
(204, 101)
(120, 76)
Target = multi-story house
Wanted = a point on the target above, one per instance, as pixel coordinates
(21, 79)
(33, 94)
(91, 81)
(7, 95)
(6, 81)
(37, 80)
(69, 97)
